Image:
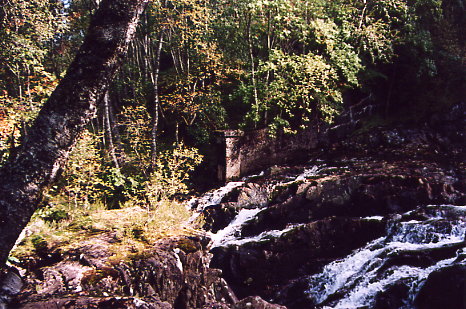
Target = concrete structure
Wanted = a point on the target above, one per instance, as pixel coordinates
(248, 152)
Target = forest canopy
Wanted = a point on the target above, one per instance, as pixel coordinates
(196, 67)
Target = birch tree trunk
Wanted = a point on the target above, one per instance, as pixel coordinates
(253, 69)
(64, 116)
(156, 101)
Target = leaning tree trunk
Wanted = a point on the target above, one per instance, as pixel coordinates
(64, 116)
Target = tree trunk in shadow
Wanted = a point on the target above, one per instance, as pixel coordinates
(109, 130)
(64, 116)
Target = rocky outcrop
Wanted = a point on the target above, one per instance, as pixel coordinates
(357, 194)
(251, 195)
(355, 132)
(380, 209)
(259, 267)
(325, 217)
(173, 274)
(84, 302)
(373, 193)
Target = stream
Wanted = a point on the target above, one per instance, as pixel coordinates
(416, 244)
(356, 280)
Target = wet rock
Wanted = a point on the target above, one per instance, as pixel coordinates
(10, 285)
(444, 288)
(258, 268)
(354, 196)
(393, 296)
(293, 294)
(217, 217)
(423, 257)
(251, 195)
(255, 302)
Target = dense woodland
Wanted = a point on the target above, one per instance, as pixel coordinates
(196, 67)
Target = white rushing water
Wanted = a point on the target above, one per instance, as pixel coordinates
(358, 278)
(211, 198)
(309, 172)
(376, 218)
(232, 231)
(215, 197)
(231, 234)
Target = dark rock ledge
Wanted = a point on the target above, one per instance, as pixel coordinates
(173, 274)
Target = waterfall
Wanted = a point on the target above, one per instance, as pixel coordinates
(415, 244)
(231, 235)
(211, 198)
(356, 280)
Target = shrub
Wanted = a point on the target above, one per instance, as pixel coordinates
(171, 175)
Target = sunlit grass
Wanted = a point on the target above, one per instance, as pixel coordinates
(134, 228)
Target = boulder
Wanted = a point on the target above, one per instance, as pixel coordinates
(444, 288)
(10, 285)
(217, 217)
(393, 297)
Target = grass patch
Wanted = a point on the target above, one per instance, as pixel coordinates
(135, 228)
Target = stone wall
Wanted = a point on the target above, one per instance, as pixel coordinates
(248, 152)
(242, 153)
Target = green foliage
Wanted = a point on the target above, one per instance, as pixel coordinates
(52, 214)
(26, 28)
(172, 173)
(26, 31)
(39, 244)
(360, 42)
(82, 183)
(301, 85)
(136, 121)
(378, 29)
(17, 112)
(118, 188)
(427, 73)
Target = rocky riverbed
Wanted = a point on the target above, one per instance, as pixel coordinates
(374, 219)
